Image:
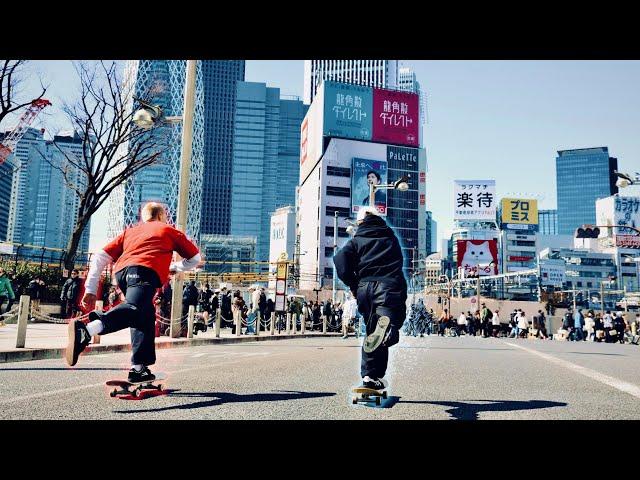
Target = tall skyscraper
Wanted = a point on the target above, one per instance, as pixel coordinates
(373, 73)
(164, 81)
(408, 82)
(7, 172)
(42, 209)
(265, 160)
(548, 221)
(431, 234)
(219, 79)
(56, 202)
(582, 176)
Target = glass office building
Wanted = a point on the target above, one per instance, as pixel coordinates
(548, 222)
(219, 79)
(266, 160)
(6, 181)
(582, 176)
(163, 82)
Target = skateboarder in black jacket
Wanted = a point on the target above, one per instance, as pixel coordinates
(370, 264)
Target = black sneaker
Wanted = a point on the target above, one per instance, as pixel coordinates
(373, 383)
(79, 338)
(143, 375)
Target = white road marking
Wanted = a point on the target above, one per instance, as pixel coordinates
(84, 387)
(616, 383)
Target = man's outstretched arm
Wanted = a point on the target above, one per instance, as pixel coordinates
(98, 262)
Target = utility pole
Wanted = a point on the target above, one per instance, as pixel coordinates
(335, 250)
(183, 188)
(602, 297)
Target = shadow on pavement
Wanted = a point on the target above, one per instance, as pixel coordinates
(596, 353)
(470, 411)
(219, 398)
(458, 348)
(69, 369)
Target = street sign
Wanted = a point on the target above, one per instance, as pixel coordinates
(628, 241)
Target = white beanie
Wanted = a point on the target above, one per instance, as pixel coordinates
(364, 210)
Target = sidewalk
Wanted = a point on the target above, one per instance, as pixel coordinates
(49, 340)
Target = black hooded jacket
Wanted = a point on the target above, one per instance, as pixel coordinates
(373, 254)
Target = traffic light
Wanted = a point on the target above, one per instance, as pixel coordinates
(587, 231)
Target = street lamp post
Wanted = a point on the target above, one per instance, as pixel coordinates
(335, 249)
(402, 184)
(150, 116)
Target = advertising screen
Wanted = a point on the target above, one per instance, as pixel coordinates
(348, 110)
(519, 214)
(474, 200)
(478, 257)
(396, 117)
(365, 172)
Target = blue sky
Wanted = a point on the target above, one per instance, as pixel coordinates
(501, 120)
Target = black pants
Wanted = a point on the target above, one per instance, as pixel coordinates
(139, 285)
(376, 299)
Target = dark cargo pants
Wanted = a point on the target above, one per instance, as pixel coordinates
(375, 299)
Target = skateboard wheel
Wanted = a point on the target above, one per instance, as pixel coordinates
(377, 400)
(384, 395)
(354, 400)
(160, 387)
(136, 392)
(113, 393)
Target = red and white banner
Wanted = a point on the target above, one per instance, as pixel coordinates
(478, 257)
(628, 241)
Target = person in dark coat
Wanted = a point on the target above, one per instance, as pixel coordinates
(70, 295)
(370, 264)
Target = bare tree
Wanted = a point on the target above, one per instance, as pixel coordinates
(11, 95)
(113, 147)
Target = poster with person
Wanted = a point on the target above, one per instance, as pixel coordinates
(364, 173)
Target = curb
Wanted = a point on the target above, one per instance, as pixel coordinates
(26, 354)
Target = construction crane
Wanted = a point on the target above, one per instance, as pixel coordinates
(8, 144)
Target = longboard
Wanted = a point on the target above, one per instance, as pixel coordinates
(125, 386)
(363, 394)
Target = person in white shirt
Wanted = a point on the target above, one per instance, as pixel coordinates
(349, 312)
(523, 323)
(462, 323)
(495, 323)
(607, 321)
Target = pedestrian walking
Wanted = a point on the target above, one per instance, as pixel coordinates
(6, 292)
(578, 324)
(142, 256)
(350, 310)
(370, 264)
(70, 295)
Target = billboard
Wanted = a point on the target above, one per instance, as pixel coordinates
(365, 172)
(396, 117)
(618, 210)
(519, 214)
(311, 138)
(552, 274)
(348, 110)
(628, 241)
(474, 200)
(478, 257)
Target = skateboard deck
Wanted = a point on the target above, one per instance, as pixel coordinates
(362, 394)
(125, 386)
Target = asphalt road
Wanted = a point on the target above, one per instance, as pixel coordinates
(431, 378)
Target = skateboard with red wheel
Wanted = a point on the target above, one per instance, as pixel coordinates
(124, 387)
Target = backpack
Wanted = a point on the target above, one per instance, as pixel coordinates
(263, 300)
(489, 314)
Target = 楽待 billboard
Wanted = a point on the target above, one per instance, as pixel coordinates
(474, 200)
(519, 214)
(348, 110)
(478, 257)
(365, 172)
(396, 117)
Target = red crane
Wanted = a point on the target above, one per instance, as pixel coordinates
(9, 142)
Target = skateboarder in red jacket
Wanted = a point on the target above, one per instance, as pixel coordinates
(370, 264)
(142, 256)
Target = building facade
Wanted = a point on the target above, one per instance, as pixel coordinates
(7, 172)
(373, 73)
(41, 210)
(548, 222)
(219, 94)
(163, 82)
(431, 235)
(582, 176)
(265, 160)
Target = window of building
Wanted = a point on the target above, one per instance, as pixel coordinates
(328, 251)
(342, 232)
(338, 191)
(342, 211)
(338, 171)
(328, 272)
